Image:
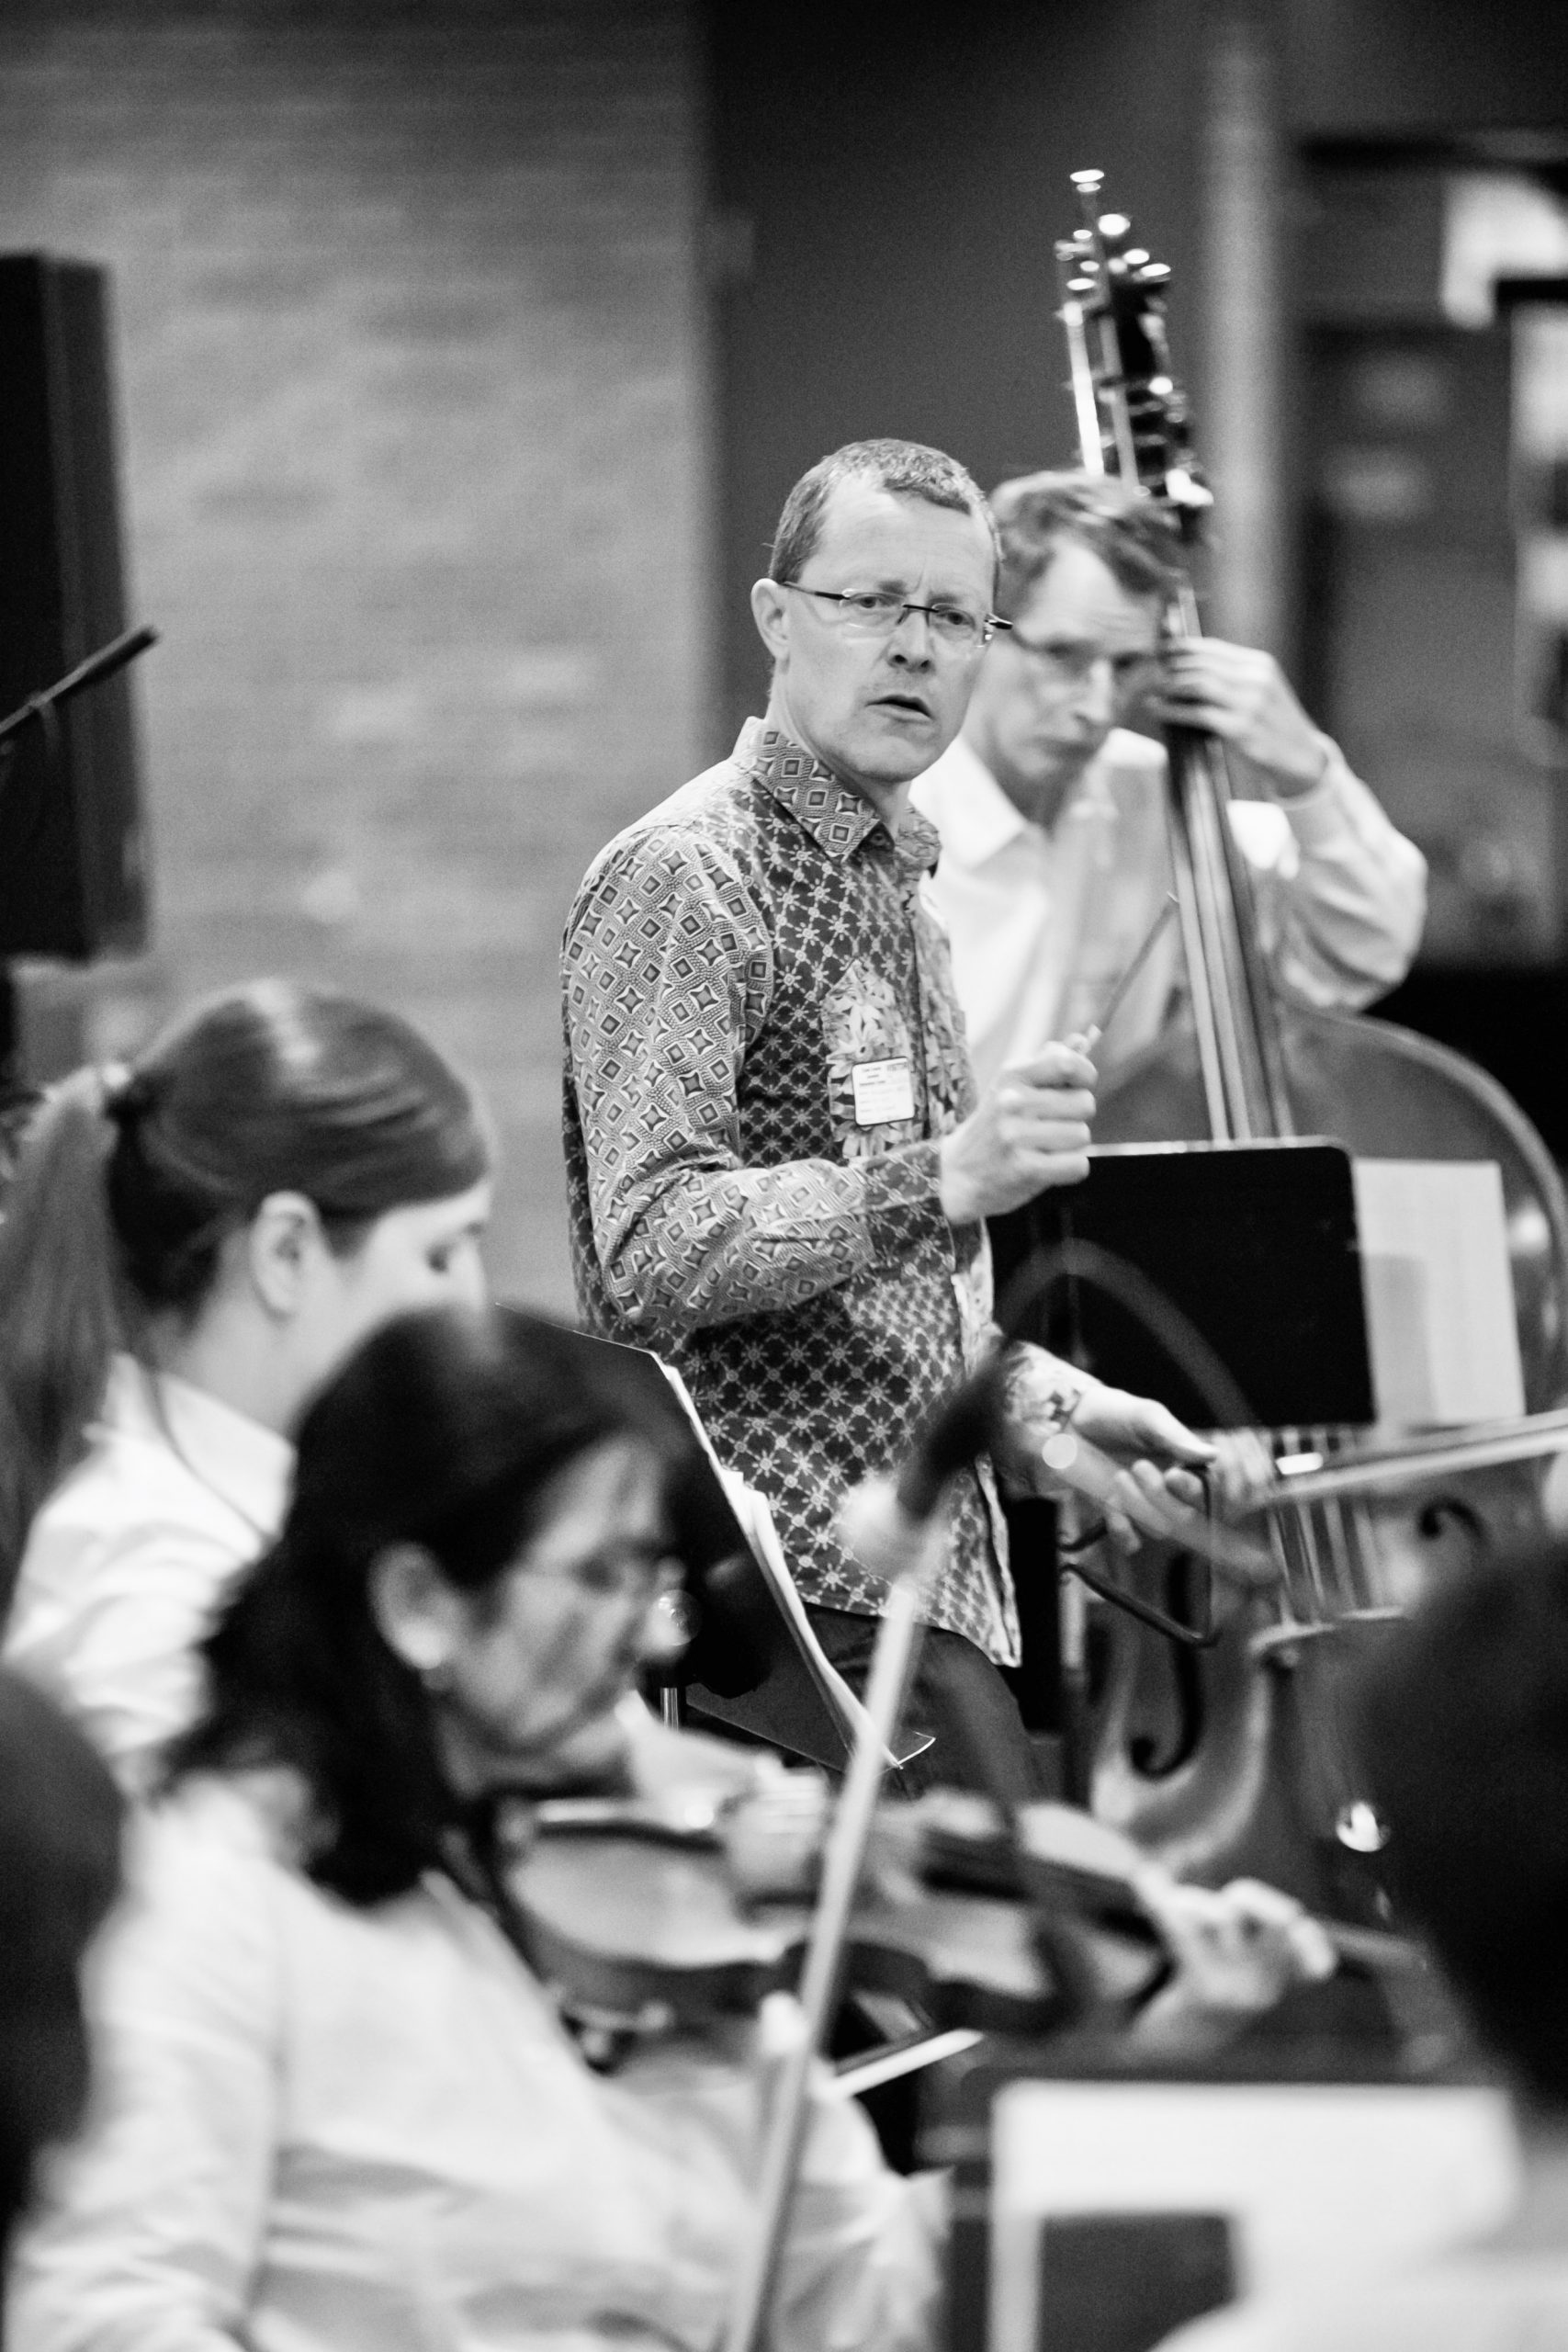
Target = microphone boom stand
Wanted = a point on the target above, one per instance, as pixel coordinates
(41, 707)
(90, 672)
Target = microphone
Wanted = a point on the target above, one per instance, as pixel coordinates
(886, 1522)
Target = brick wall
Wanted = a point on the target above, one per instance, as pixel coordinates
(410, 365)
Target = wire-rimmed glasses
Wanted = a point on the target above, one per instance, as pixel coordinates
(875, 612)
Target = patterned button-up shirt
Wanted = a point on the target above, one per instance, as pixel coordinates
(732, 959)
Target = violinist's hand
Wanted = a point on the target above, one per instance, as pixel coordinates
(1029, 1130)
(1243, 697)
(1237, 1953)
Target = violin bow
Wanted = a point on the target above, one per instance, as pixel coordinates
(923, 1541)
(1312, 1478)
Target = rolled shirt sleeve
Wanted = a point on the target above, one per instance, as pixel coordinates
(1342, 893)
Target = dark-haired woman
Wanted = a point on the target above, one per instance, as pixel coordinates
(191, 1245)
(340, 2114)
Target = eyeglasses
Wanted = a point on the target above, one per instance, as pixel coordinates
(1072, 664)
(626, 1572)
(873, 613)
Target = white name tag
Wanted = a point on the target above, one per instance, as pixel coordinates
(883, 1091)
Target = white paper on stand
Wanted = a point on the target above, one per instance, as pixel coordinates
(1439, 1291)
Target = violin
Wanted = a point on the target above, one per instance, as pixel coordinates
(653, 1916)
(646, 1916)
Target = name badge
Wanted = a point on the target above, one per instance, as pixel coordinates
(883, 1091)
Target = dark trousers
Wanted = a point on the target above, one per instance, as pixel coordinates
(957, 1695)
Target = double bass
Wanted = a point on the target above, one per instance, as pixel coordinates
(1230, 1755)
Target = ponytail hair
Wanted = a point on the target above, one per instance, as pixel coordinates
(61, 1309)
(130, 1182)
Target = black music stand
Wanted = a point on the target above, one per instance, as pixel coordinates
(1223, 1279)
(753, 1665)
(1255, 1247)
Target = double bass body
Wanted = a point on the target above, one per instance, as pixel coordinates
(1239, 1759)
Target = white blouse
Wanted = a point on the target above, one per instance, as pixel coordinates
(328, 2130)
(129, 1559)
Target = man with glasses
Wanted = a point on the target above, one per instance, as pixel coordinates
(1055, 860)
(777, 1163)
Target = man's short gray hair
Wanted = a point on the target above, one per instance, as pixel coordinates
(908, 469)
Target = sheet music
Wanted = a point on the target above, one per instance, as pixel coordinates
(756, 1519)
(1439, 1291)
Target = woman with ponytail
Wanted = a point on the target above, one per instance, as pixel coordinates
(191, 1245)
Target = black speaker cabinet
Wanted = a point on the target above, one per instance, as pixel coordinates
(72, 865)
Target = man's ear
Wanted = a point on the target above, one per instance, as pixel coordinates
(770, 610)
(281, 1243)
(418, 1614)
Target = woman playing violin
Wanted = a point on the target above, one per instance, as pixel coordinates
(339, 2109)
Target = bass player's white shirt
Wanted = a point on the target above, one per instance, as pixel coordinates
(1043, 923)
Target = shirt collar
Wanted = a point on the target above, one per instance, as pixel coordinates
(977, 820)
(245, 1464)
(975, 814)
(838, 818)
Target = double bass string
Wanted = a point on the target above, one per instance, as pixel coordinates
(1341, 1541)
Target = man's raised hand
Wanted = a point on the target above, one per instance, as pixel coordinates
(1029, 1130)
